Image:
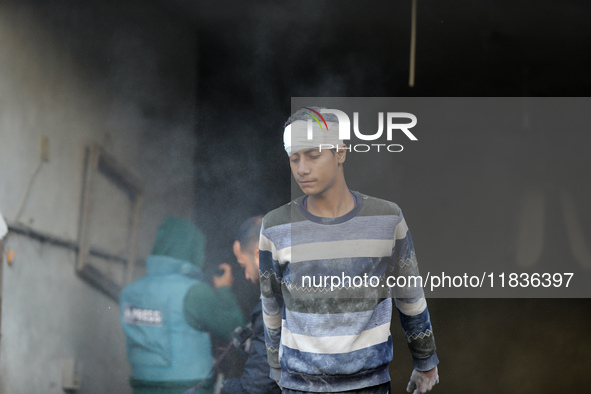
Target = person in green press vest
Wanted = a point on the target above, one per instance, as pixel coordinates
(169, 315)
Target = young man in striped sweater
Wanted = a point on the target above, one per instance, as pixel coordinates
(323, 260)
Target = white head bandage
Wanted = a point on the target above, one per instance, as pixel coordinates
(309, 134)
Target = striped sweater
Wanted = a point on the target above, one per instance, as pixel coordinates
(326, 308)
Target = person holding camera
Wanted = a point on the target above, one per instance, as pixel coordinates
(255, 379)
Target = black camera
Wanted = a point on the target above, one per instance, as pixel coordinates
(241, 335)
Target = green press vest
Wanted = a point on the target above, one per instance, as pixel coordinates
(161, 345)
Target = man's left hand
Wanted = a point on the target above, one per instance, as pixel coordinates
(422, 382)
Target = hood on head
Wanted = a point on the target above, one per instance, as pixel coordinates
(180, 239)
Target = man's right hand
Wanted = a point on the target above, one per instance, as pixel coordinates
(226, 279)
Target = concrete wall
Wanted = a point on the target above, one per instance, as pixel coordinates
(121, 76)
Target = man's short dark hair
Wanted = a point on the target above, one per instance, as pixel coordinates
(248, 233)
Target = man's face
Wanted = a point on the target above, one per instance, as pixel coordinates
(314, 170)
(249, 261)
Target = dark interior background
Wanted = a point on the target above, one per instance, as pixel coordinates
(255, 56)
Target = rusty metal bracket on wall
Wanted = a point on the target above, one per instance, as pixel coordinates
(99, 164)
(21, 229)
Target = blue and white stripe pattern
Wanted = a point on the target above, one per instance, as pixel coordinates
(336, 341)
